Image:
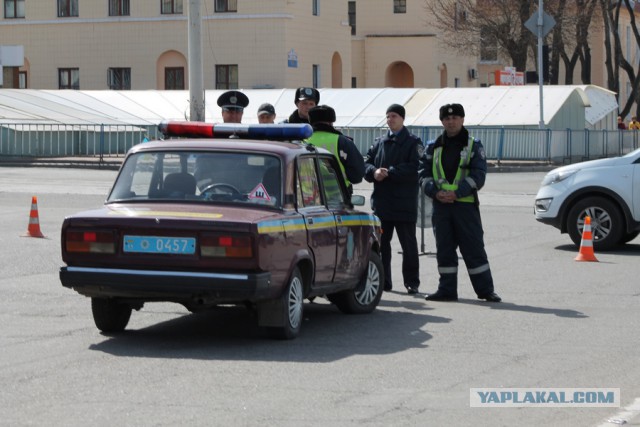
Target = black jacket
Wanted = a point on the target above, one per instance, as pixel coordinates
(295, 118)
(395, 198)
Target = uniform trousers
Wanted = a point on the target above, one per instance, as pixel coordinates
(409, 244)
(458, 225)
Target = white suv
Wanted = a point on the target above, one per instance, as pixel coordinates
(607, 190)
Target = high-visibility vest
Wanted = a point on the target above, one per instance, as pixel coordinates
(329, 141)
(461, 174)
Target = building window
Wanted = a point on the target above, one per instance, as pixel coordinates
(354, 82)
(488, 46)
(399, 6)
(316, 75)
(118, 7)
(222, 6)
(13, 9)
(226, 77)
(174, 78)
(352, 17)
(119, 78)
(67, 8)
(22, 80)
(171, 7)
(315, 7)
(69, 78)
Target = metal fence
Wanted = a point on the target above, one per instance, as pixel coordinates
(552, 146)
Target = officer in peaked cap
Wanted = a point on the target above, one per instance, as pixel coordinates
(233, 103)
(452, 171)
(305, 99)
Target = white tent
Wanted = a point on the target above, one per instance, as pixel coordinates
(575, 107)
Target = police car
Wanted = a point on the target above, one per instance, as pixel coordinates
(233, 214)
(606, 190)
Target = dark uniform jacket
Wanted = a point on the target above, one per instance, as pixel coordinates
(295, 118)
(451, 148)
(348, 153)
(395, 198)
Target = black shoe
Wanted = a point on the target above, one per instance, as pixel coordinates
(492, 297)
(387, 287)
(439, 296)
(412, 289)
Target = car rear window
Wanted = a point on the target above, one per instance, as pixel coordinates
(206, 177)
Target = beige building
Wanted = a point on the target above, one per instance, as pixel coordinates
(122, 44)
(248, 44)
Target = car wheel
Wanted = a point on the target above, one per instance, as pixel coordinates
(292, 301)
(365, 297)
(606, 222)
(629, 237)
(110, 315)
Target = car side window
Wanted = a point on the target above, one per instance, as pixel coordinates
(308, 188)
(330, 178)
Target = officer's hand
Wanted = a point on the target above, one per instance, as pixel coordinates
(380, 174)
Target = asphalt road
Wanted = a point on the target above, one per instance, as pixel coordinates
(412, 362)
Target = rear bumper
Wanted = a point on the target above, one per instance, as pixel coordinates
(167, 285)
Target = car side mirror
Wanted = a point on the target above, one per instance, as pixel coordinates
(357, 200)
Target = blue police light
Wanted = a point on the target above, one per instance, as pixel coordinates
(276, 132)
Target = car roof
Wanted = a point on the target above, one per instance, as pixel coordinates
(279, 148)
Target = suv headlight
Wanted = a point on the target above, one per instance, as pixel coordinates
(554, 177)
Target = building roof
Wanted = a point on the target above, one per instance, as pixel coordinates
(513, 106)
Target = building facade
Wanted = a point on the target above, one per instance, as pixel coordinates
(247, 44)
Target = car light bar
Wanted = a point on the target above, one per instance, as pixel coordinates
(277, 132)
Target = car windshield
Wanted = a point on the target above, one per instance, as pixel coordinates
(245, 178)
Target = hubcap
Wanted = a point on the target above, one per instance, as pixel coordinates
(295, 303)
(368, 294)
(600, 222)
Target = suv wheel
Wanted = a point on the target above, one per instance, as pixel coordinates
(365, 297)
(607, 223)
(110, 315)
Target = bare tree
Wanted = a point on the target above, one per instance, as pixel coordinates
(615, 60)
(469, 26)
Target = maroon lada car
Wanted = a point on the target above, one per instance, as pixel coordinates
(248, 214)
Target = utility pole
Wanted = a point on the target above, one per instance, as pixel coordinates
(196, 81)
(540, 61)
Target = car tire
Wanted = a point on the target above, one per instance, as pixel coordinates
(110, 315)
(626, 238)
(365, 297)
(292, 301)
(607, 225)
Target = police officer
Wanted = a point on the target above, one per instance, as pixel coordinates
(391, 165)
(326, 136)
(233, 103)
(452, 171)
(305, 99)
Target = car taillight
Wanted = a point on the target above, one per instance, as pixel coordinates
(103, 242)
(226, 246)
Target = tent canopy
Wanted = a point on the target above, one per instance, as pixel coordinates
(512, 106)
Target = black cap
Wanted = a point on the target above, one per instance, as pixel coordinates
(451, 110)
(322, 113)
(396, 108)
(266, 108)
(307, 93)
(233, 100)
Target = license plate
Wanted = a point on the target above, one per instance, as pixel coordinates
(160, 245)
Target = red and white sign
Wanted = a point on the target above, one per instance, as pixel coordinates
(509, 77)
(259, 193)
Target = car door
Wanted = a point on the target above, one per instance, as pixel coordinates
(350, 243)
(319, 221)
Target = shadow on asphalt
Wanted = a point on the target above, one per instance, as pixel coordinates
(573, 314)
(629, 249)
(231, 333)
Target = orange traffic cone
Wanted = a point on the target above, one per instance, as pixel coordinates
(34, 222)
(586, 244)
